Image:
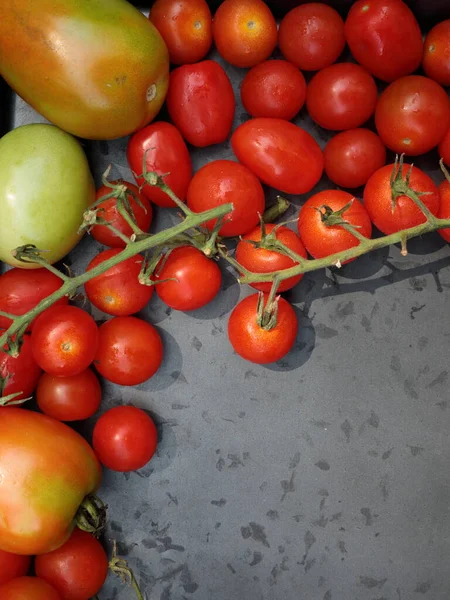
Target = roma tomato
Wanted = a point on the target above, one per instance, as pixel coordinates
(28, 588)
(201, 103)
(125, 438)
(255, 343)
(352, 156)
(342, 96)
(436, 53)
(412, 115)
(444, 148)
(185, 26)
(317, 228)
(129, 352)
(19, 375)
(77, 569)
(265, 260)
(312, 36)
(378, 196)
(279, 153)
(166, 154)
(274, 88)
(12, 566)
(245, 32)
(108, 211)
(64, 340)
(384, 37)
(444, 207)
(226, 181)
(69, 398)
(46, 470)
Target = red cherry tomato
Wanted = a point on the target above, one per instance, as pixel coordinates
(225, 181)
(274, 88)
(201, 103)
(19, 375)
(64, 340)
(12, 566)
(436, 53)
(352, 156)
(125, 438)
(129, 352)
(444, 208)
(444, 148)
(341, 97)
(165, 152)
(28, 588)
(279, 153)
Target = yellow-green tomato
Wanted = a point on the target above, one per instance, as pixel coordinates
(45, 187)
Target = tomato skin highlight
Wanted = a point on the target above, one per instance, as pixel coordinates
(13, 566)
(444, 148)
(28, 588)
(444, 208)
(22, 372)
(436, 53)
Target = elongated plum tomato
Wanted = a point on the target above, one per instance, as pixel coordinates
(46, 470)
(165, 154)
(12, 566)
(28, 588)
(281, 154)
(444, 148)
(19, 375)
(263, 260)
(444, 207)
(436, 53)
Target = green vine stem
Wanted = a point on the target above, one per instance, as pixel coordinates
(119, 566)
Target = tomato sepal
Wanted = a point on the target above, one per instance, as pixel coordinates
(91, 515)
(400, 186)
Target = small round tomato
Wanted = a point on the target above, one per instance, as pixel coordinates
(226, 181)
(341, 97)
(444, 207)
(436, 53)
(77, 569)
(312, 36)
(72, 398)
(412, 115)
(185, 26)
(201, 103)
(12, 566)
(196, 279)
(64, 340)
(107, 210)
(255, 343)
(129, 352)
(316, 228)
(19, 375)
(378, 199)
(274, 88)
(264, 260)
(281, 154)
(245, 32)
(444, 148)
(166, 154)
(117, 291)
(352, 156)
(28, 588)
(125, 438)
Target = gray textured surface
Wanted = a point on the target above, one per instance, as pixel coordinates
(324, 477)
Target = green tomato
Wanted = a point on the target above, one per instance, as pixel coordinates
(45, 187)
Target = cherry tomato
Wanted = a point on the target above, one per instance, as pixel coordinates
(274, 88)
(226, 181)
(64, 340)
(256, 344)
(69, 398)
(201, 103)
(444, 208)
(322, 238)
(19, 375)
(436, 53)
(444, 148)
(197, 279)
(125, 438)
(77, 569)
(412, 115)
(378, 199)
(129, 352)
(166, 154)
(384, 37)
(12, 566)
(312, 36)
(245, 32)
(341, 97)
(352, 156)
(186, 27)
(28, 588)
(279, 153)
(107, 210)
(263, 260)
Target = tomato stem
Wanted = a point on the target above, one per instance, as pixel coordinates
(119, 566)
(444, 170)
(400, 186)
(30, 254)
(91, 516)
(276, 210)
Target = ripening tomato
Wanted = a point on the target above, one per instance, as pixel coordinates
(412, 115)
(64, 340)
(125, 438)
(19, 375)
(166, 154)
(12, 566)
(384, 37)
(436, 53)
(444, 148)
(312, 36)
(245, 32)
(226, 181)
(352, 156)
(201, 103)
(185, 26)
(281, 154)
(444, 207)
(274, 88)
(341, 97)
(28, 588)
